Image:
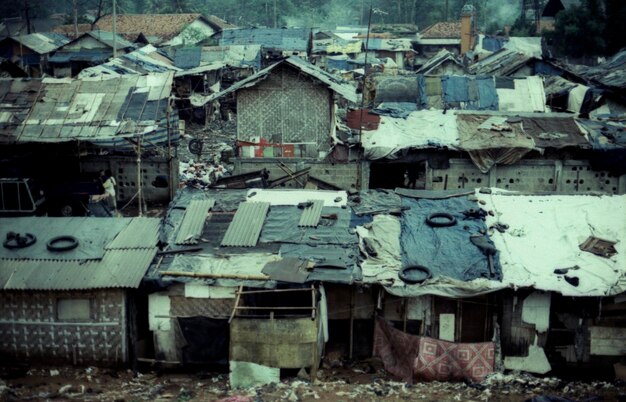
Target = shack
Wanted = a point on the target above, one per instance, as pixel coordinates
(69, 288)
(286, 113)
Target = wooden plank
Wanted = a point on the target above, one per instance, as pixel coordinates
(608, 341)
(283, 356)
(277, 331)
(248, 292)
(232, 314)
(446, 327)
(273, 332)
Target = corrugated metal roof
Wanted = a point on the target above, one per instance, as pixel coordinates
(118, 269)
(311, 215)
(234, 55)
(107, 38)
(42, 43)
(61, 110)
(112, 252)
(141, 232)
(146, 60)
(93, 234)
(246, 226)
(501, 63)
(193, 222)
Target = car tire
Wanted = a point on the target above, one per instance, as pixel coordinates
(404, 274)
(432, 222)
(68, 243)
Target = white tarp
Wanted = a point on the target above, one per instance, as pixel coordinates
(527, 96)
(530, 45)
(422, 129)
(384, 235)
(576, 98)
(295, 197)
(544, 234)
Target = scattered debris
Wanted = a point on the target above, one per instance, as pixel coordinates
(201, 175)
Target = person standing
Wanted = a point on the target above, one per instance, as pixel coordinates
(109, 183)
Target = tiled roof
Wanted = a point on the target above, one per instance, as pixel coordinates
(165, 26)
(442, 30)
(68, 30)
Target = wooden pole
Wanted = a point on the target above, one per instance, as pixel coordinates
(216, 276)
(114, 30)
(139, 195)
(75, 19)
(352, 297)
(404, 313)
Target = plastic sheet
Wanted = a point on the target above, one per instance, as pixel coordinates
(281, 226)
(446, 251)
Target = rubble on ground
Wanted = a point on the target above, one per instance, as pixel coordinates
(363, 380)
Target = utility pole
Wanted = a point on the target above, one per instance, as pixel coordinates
(115, 34)
(275, 20)
(445, 17)
(27, 15)
(75, 19)
(367, 42)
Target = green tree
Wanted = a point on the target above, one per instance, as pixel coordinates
(614, 31)
(579, 31)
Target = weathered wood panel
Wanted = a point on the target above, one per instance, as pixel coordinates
(608, 341)
(284, 343)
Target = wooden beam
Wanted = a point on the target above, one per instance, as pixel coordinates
(216, 276)
(232, 314)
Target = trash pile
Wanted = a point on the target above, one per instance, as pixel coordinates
(358, 381)
(201, 175)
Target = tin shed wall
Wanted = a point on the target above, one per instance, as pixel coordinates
(286, 108)
(30, 329)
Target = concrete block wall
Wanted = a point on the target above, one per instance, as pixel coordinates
(30, 330)
(346, 176)
(124, 170)
(527, 176)
(580, 177)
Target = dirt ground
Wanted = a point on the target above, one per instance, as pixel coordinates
(363, 381)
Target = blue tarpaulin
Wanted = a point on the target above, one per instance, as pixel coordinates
(337, 64)
(455, 88)
(493, 44)
(472, 93)
(187, 57)
(446, 251)
(487, 94)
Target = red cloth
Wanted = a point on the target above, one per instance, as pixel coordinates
(439, 360)
(412, 358)
(397, 349)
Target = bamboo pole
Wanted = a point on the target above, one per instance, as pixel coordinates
(216, 276)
